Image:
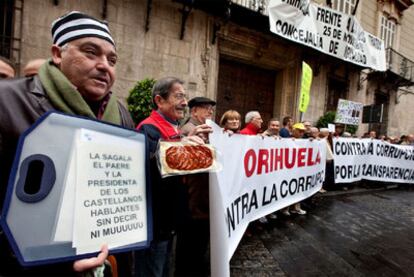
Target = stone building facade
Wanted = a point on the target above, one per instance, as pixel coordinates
(224, 50)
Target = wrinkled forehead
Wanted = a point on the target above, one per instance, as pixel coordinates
(99, 43)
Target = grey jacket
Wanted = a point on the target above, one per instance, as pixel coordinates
(22, 102)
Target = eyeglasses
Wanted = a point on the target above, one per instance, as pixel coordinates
(180, 96)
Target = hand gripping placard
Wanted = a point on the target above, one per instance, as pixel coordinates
(77, 183)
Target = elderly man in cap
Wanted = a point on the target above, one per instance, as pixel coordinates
(201, 109)
(76, 80)
(192, 240)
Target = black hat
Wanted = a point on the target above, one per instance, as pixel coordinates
(199, 101)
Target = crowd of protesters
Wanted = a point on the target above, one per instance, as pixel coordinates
(180, 204)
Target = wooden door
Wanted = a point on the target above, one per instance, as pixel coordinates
(244, 88)
(337, 89)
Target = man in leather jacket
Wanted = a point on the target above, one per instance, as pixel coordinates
(76, 80)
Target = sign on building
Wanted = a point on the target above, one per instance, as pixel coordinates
(328, 31)
(348, 112)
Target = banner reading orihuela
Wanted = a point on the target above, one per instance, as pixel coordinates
(376, 160)
(259, 176)
(326, 30)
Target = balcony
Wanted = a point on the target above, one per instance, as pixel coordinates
(401, 68)
(254, 5)
(404, 4)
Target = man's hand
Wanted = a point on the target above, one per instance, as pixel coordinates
(193, 139)
(201, 130)
(91, 263)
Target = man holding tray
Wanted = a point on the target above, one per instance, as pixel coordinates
(169, 196)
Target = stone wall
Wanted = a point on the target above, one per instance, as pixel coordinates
(367, 15)
(401, 112)
(156, 53)
(406, 46)
(160, 52)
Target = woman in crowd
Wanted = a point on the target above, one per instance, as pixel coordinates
(230, 121)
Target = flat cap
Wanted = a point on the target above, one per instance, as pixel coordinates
(199, 101)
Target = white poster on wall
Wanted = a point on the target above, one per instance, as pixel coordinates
(348, 112)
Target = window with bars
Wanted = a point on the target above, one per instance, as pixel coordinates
(387, 31)
(6, 25)
(345, 6)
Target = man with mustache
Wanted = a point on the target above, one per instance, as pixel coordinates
(169, 195)
(76, 80)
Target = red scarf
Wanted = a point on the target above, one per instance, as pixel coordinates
(168, 132)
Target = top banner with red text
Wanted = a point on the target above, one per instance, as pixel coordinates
(326, 30)
(259, 176)
(372, 159)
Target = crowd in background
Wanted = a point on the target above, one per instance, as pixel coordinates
(192, 240)
(231, 119)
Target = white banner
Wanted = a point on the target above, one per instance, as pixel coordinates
(326, 30)
(259, 176)
(376, 160)
(348, 112)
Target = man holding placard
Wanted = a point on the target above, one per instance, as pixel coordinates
(76, 80)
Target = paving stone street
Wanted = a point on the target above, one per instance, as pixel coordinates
(357, 233)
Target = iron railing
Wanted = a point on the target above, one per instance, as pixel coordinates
(400, 65)
(254, 5)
